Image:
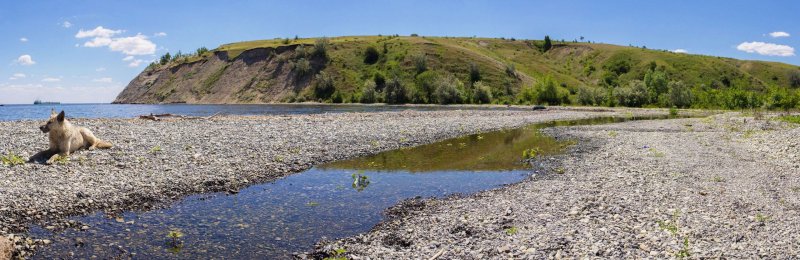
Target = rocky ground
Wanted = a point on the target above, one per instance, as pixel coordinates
(154, 163)
(726, 186)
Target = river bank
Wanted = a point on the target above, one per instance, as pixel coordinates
(724, 186)
(154, 163)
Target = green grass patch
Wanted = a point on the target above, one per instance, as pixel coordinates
(794, 119)
(11, 159)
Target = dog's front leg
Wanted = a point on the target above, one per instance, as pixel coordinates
(63, 155)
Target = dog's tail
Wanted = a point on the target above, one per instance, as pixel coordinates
(103, 144)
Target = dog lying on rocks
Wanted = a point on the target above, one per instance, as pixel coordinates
(66, 138)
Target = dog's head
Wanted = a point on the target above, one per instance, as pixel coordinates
(55, 121)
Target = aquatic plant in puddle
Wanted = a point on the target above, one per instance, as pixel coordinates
(530, 153)
(175, 244)
(360, 181)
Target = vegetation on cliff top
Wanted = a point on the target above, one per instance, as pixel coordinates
(447, 70)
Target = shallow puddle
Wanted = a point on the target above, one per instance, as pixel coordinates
(336, 200)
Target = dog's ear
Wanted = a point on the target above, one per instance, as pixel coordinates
(53, 112)
(60, 117)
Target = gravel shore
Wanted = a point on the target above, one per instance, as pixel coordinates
(726, 186)
(154, 163)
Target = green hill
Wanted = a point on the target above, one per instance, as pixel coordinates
(398, 69)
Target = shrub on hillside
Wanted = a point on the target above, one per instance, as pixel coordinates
(547, 91)
(426, 85)
(301, 68)
(321, 47)
(794, 79)
(368, 94)
(420, 62)
(448, 90)
(323, 86)
(202, 50)
(300, 52)
(380, 81)
(483, 94)
(371, 55)
(474, 73)
(632, 95)
(679, 95)
(591, 96)
(395, 91)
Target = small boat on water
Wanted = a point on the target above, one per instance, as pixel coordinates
(40, 102)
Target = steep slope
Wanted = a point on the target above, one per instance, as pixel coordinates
(287, 70)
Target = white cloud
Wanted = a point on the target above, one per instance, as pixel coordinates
(135, 45)
(97, 42)
(768, 49)
(100, 69)
(50, 79)
(17, 76)
(135, 63)
(103, 80)
(779, 34)
(66, 24)
(127, 58)
(160, 34)
(97, 32)
(680, 51)
(23, 39)
(25, 60)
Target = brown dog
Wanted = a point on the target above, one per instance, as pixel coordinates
(66, 138)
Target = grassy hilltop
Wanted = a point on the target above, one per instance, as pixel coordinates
(446, 70)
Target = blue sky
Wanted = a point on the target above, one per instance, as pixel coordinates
(55, 50)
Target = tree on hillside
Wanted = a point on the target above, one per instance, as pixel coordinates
(794, 79)
(679, 95)
(202, 50)
(371, 55)
(395, 92)
(656, 81)
(474, 73)
(165, 58)
(547, 44)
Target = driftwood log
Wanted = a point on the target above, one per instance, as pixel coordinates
(158, 117)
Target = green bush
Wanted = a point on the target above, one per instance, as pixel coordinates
(656, 81)
(634, 94)
(426, 85)
(202, 50)
(483, 94)
(395, 91)
(591, 96)
(165, 58)
(679, 95)
(371, 55)
(300, 52)
(420, 62)
(794, 79)
(547, 92)
(321, 47)
(380, 81)
(547, 44)
(448, 90)
(368, 94)
(474, 73)
(301, 68)
(323, 86)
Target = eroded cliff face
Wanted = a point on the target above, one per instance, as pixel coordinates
(260, 75)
